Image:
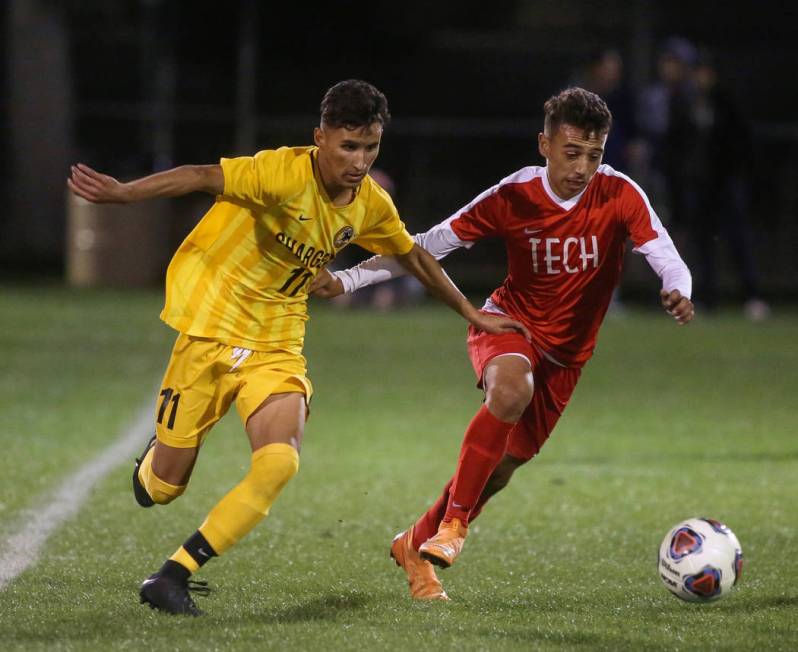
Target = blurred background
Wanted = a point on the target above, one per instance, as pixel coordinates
(703, 100)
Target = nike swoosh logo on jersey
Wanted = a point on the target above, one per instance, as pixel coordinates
(530, 231)
(302, 218)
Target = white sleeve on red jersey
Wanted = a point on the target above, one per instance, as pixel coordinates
(663, 258)
(651, 238)
(439, 241)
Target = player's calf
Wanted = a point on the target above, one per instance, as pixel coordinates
(148, 488)
(249, 502)
(142, 497)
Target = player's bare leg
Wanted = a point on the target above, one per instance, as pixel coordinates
(275, 432)
(279, 420)
(162, 472)
(508, 390)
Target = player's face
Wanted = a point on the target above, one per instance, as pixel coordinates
(573, 157)
(346, 155)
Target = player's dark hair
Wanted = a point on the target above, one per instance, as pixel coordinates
(354, 103)
(579, 108)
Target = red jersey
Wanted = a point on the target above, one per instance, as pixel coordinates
(564, 257)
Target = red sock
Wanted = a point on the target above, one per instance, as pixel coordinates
(427, 525)
(483, 447)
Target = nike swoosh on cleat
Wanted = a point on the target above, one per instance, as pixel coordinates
(146, 583)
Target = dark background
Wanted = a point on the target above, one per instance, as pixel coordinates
(141, 85)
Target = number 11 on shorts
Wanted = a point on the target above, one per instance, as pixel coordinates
(168, 396)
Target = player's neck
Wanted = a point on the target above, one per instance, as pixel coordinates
(338, 194)
(560, 195)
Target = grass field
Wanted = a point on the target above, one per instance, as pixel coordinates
(666, 423)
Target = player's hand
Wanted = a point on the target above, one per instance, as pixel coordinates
(97, 187)
(679, 307)
(325, 285)
(498, 324)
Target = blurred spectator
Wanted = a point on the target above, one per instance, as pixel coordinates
(666, 122)
(603, 75)
(722, 152)
(700, 148)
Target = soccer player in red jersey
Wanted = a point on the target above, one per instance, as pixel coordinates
(564, 227)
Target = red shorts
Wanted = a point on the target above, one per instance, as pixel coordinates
(554, 385)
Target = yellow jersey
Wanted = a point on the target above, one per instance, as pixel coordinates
(242, 274)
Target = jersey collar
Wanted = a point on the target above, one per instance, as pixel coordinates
(565, 204)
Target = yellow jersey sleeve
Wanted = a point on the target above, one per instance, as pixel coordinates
(265, 179)
(385, 233)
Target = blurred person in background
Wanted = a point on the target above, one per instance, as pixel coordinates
(700, 145)
(723, 161)
(603, 74)
(665, 116)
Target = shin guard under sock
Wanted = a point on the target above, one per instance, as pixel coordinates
(241, 509)
(483, 447)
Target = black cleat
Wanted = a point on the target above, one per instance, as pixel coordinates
(142, 497)
(171, 594)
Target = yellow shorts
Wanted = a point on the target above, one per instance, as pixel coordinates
(205, 376)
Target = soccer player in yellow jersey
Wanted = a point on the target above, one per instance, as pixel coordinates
(236, 292)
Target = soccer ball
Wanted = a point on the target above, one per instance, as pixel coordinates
(700, 560)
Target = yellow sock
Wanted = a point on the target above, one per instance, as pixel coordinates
(249, 501)
(182, 557)
(161, 492)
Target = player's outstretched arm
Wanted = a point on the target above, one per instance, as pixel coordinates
(679, 307)
(326, 285)
(426, 269)
(100, 188)
(439, 241)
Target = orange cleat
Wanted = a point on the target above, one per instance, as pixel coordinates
(424, 585)
(443, 548)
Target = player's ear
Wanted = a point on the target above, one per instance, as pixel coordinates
(543, 145)
(318, 136)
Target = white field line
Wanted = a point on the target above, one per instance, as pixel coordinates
(20, 550)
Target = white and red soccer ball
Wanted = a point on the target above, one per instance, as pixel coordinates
(700, 560)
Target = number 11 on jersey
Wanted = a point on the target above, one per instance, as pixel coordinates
(298, 279)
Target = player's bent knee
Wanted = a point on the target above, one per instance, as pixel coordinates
(508, 402)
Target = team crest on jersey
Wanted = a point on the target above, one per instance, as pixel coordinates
(343, 237)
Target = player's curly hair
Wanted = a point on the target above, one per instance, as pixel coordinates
(577, 107)
(354, 103)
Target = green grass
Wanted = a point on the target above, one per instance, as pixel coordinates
(666, 423)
